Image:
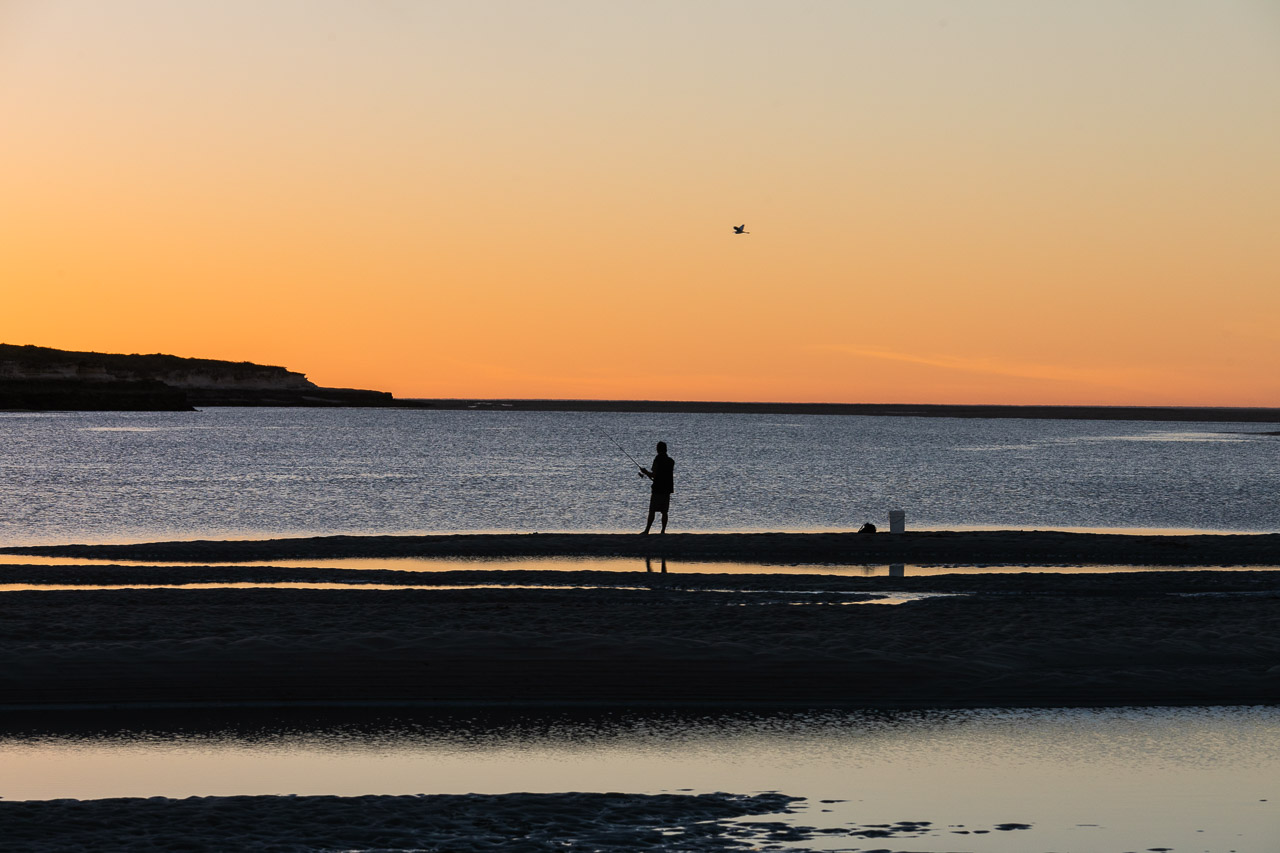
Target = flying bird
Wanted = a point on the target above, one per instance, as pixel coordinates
(739, 229)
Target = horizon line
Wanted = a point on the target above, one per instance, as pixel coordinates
(711, 402)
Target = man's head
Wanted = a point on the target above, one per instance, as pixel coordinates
(662, 448)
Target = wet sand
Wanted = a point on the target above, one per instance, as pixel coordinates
(703, 823)
(533, 822)
(966, 547)
(595, 638)
(630, 638)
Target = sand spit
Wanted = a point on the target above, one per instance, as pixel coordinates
(441, 822)
(1189, 638)
(1033, 547)
(812, 583)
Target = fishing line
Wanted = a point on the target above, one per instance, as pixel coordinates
(620, 447)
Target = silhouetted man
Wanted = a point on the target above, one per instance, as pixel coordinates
(663, 476)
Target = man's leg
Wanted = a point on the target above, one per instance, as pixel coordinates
(664, 522)
(649, 523)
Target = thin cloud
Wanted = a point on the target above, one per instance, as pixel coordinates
(1122, 378)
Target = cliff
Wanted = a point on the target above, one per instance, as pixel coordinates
(42, 379)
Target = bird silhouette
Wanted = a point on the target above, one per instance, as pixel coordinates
(739, 229)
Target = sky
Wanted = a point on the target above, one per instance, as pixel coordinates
(980, 202)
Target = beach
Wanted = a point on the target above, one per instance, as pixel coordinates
(133, 640)
(1005, 638)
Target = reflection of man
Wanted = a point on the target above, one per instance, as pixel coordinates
(663, 476)
(648, 564)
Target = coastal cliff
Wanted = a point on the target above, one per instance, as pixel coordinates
(43, 379)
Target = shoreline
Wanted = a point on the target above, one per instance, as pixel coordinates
(80, 710)
(915, 547)
(1186, 414)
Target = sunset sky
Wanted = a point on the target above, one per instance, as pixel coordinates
(985, 202)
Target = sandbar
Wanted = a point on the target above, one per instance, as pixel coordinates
(1000, 546)
(634, 639)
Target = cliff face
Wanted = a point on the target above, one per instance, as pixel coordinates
(76, 395)
(44, 379)
(30, 363)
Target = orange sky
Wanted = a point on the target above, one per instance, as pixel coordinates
(948, 202)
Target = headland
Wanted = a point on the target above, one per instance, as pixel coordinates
(42, 379)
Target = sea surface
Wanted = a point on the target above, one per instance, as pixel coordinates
(1187, 779)
(229, 473)
(1081, 780)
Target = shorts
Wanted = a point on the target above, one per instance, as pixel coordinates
(659, 501)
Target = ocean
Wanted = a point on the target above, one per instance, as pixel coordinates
(986, 781)
(232, 473)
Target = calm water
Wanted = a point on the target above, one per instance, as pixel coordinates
(1113, 780)
(97, 477)
(1186, 779)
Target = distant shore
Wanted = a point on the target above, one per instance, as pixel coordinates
(946, 547)
(42, 379)
(1192, 414)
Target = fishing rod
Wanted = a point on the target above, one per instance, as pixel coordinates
(623, 449)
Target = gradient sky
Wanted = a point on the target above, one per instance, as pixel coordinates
(983, 202)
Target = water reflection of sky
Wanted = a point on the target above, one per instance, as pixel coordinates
(622, 564)
(1124, 779)
(744, 597)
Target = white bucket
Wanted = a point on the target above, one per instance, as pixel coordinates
(897, 521)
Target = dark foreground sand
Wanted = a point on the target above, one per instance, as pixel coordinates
(705, 823)
(447, 823)
(1012, 639)
(615, 638)
(1028, 547)
(454, 823)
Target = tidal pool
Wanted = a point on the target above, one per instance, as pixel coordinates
(1188, 779)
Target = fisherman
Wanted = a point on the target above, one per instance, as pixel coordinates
(663, 475)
